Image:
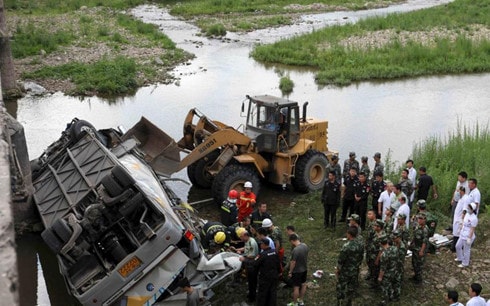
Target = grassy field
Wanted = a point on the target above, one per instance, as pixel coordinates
(109, 52)
(448, 39)
(252, 15)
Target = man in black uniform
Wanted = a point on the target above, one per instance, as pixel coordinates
(330, 200)
(361, 195)
(378, 185)
(215, 236)
(268, 267)
(424, 185)
(259, 215)
(351, 182)
(349, 163)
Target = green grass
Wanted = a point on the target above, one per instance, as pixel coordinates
(150, 31)
(106, 77)
(341, 65)
(217, 29)
(209, 7)
(30, 39)
(286, 85)
(43, 6)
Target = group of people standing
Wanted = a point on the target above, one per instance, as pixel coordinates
(390, 229)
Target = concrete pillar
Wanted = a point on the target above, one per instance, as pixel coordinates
(8, 268)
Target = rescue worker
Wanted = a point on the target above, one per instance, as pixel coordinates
(246, 202)
(214, 237)
(249, 253)
(418, 246)
(365, 167)
(351, 182)
(331, 200)
(349, 163)
(229, 209)
(347, 271)
(396, 237)
(371, 221)
(335, 167)
(378, 185)
(361, 195)
(275, 234)
(268, 268)
(402, 227)
(387, 269)
(374, 253)
(259, 215)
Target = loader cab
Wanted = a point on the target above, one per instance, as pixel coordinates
(272, 123)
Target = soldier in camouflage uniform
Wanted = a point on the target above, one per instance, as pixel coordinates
(350, 258)
(418, 246)
(389, 220)
(369, 236)
(378, 185)
(387, 268)
(335, 167)
(372, 251)
(396, 237)
(349, 163)
(406, 185)
(403, 228)
(431, 218)
(365, 167)
(378, 165)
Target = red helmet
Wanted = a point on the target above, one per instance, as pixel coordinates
(233, 194)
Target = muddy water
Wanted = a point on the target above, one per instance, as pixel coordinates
(366, 118)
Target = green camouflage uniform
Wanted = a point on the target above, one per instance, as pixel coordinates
(431, 223)
(365, 169)
(397, 285)
(337, 170)
(405, 233)
(372, 252)
(420, 236)
(350, 258)
(389, 227)
(368, 246)
(388, 263)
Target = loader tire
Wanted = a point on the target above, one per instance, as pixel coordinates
(198, 174)
(233, 177)
(310, 171)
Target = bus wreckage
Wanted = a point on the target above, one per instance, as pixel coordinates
(120, 234)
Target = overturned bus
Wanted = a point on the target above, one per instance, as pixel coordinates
(120, 234)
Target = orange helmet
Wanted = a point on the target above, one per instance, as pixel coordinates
(233, 194)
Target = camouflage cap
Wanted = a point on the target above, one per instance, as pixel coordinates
(364, 158)
(377, 154)
(421, 203)
(396, 233)
(354, 217)
(380, 223)
(401, 216)
(422, 215)
(352, 154)
(392, 209)
(383, 239)
(334, 157)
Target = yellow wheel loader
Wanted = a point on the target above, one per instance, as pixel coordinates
(276, 145)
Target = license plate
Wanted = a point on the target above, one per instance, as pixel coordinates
(130, 266)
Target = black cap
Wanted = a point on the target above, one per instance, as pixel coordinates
(334, 157)
(352, 154)
(264, 241)
(377, 154)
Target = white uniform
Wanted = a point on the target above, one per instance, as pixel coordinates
(476, 301)
(404, 209)
(412, 175)
(386, 199)
(463, 246)
(458, 214)
(475, 197)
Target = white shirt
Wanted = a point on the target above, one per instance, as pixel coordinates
(456, 304)
(475, 196)
(476, 301)
(459, 184)
(386, 198)
(458, 213)
(404, 209)
(412, 175)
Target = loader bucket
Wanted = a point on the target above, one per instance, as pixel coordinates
(161, 151)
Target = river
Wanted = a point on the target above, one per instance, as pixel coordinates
(367, 117)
